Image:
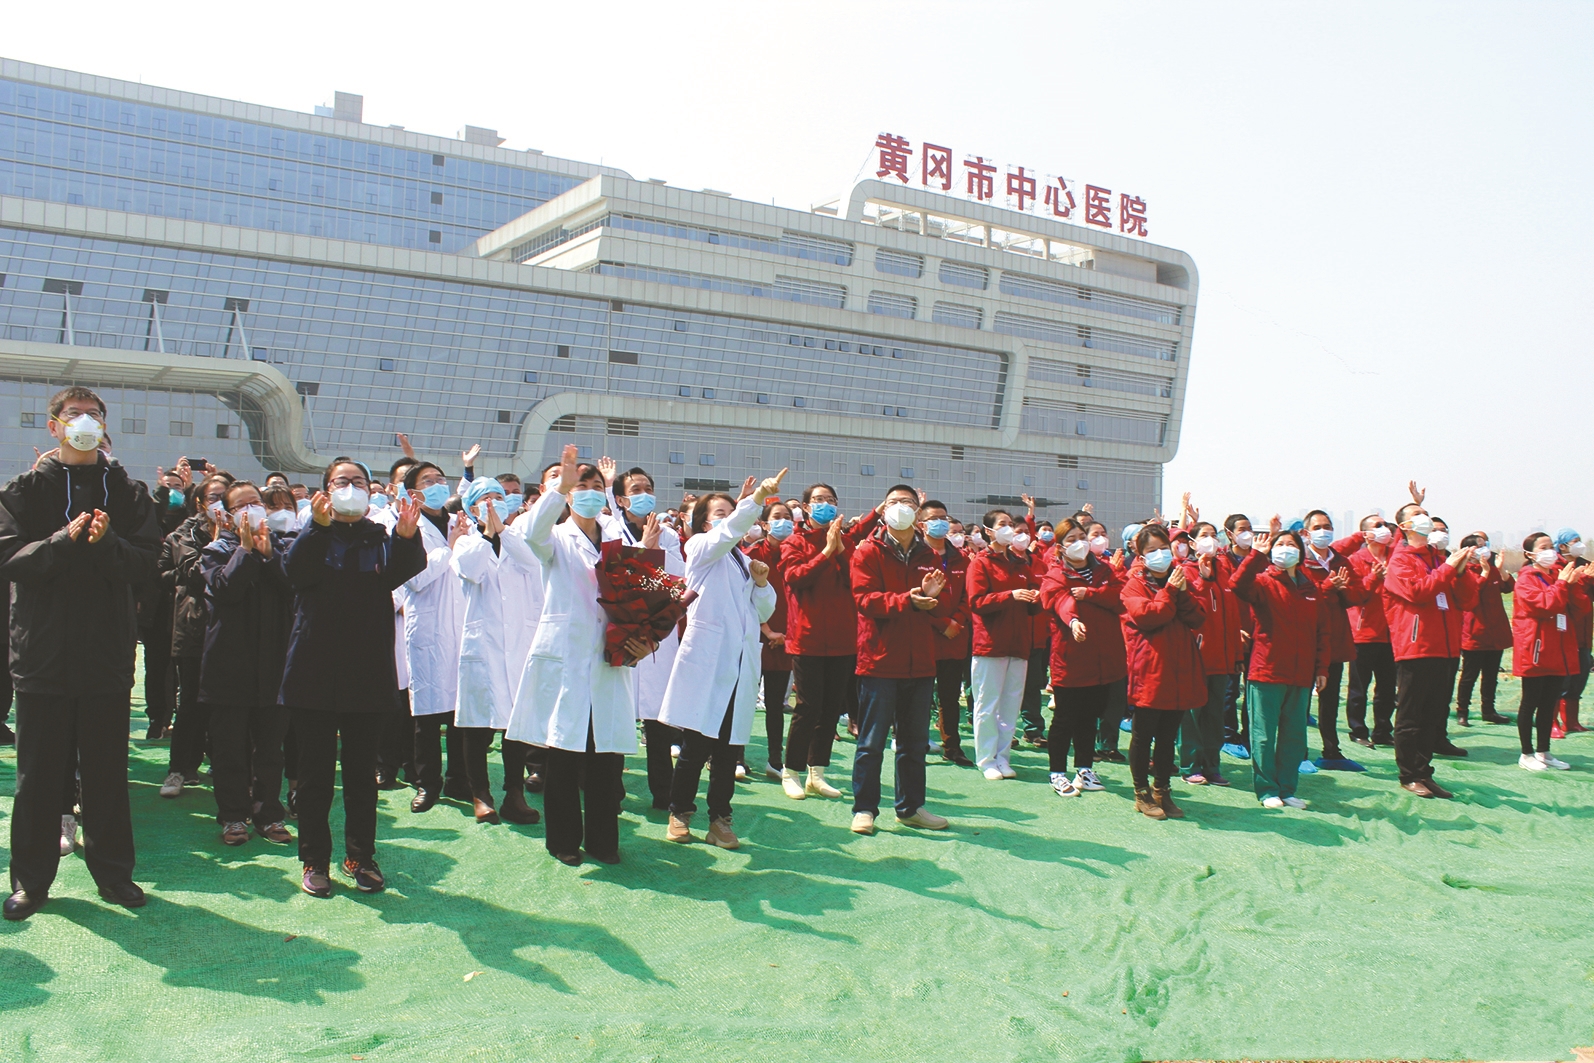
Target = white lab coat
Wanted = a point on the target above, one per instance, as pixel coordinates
(567, 685)
(484, 693)
(520, 576)
(653, 671)
(434, 608)
(720, 654)
(388, 517)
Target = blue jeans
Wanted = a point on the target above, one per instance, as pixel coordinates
(882, 703)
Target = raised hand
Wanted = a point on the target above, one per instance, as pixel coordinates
(404, 445)
(607, 466)
(568, 462)
(770, 488)
(1275, 524)
(469, 457)
(321, 509)
(1340, 579)
(185, 474)
(98, 525)
(760, 572)
(409, 516)
(1088, 507)
(1264, 542)
(1029, 501)
(1417, 493)
(650, 531)
(747, 487)
(457, 528)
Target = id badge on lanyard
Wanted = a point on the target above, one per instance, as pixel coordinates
(1441, 601)
(1560, 621)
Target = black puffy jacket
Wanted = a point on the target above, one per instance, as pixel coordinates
(180, 577)
(251, 614)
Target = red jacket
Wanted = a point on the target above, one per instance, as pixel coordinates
(1341, 643)
(1247, 617)
(1485, 626)
(1041, 556)
(1159, 625)
(955, 563)
(767, 550)
(1292, 644)
(1544, 616)
(1367, 620)
(1100, 658)
(1001, 622)
(895, 640)
(822, 620)
(1418, 581)
(1222, 652)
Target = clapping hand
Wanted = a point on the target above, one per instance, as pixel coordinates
(409, 516)
(321, 509)
(492, 524)
(457, 528)
(933, 584)
(833, 544)
(99, 523)
(650, 532)
(1340, 579)
(1176, 578)
(75, 526)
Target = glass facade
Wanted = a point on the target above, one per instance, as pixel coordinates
(72, 147)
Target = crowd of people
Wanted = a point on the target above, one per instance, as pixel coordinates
(395, 626)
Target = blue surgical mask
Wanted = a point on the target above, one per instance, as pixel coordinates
(781, 529)
(1046, 535)
(503, 507)
(302, 505)
(716, 522)
(1322, 537)
(822, 512)
(641, 505)
(379, 501)
(514, 502)
(937, 529)
(1159, 560)
(403, 493)
(434, 496)
(586, 503)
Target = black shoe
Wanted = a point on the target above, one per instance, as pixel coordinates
(1112, 756)
(1495, 717)
(1383, 740)
(1437, 790)
(316, 882)
(661, 806)
(457, 790)
(1448, 749)
(366, 875)
(155, 732)
(1462, 721)
(385, 780)
(573, 859)
(22, 904)
(127, 894)
(606, 858)
(1364, 741)
(533, 782)
(423, 800)
(956, 756)
(514, 809)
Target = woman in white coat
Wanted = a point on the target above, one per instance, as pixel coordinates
(570, 698)
(632, 499)
(489, 620)
(714, 684)
(434, 606)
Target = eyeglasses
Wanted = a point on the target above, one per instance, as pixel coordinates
(349, 481)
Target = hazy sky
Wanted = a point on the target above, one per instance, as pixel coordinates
(1389, 204)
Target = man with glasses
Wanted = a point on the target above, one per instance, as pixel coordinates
(76, 537)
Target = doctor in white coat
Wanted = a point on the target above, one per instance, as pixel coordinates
(631, 498)
(570, 698)
(714, 685)
(523, 584)
(434, 607)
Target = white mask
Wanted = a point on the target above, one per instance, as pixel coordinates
(1576, 548)
(1021, 541)
(1004, 534)
(1483, 553)
(1206, 546)
(255, 515)
(797, 514)
(1243, 538)
(900, 516)
(1545, 558)
(1181, 550)
(282, 520)
(1098, 545)
(217, 511)
(1422, 524)
(350, 501)
(1077, 550)
(1439, 539)
(84, 433)
(956, 539)
(755, 533)
(1381, 534)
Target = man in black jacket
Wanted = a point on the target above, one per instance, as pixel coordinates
(76, 536)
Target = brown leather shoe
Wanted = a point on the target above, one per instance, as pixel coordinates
(1436, 790)
(275, 832)
(720, 834)
(485, 812)
(1147, 805)
(1419, 788)
(1164, 799)
(514, 809)
(679, 830)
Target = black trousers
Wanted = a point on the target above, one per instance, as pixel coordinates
(514, 756)
(1159, 727)
(1422, 700)
(576, 779)
(1237, 724)
(1373, 669)
(697, 750)
(246, 762)
(659, 737)
(1076, 711)
(1541, 696)
(395, 752)
(1035, 679)
(1575, 684)
(827, 689)
(54, 734)
(290, 754)
(1117, 708)
(430, 746)
(477, 742)
(324, 739)
(776, 684)
(192, 736)
(158, 678)
(950, 677)
(1328, 712)
(1480, 667)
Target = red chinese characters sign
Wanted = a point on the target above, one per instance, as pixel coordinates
(1025, 190)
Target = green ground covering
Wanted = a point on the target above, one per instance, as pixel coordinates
(1372, 925)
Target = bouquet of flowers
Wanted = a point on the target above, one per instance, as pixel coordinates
(641, 599)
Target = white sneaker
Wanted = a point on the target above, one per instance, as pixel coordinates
(1061, 786)
(1295, 802)
(1272, 802)
(771, 771)
(862, 823)
(1531, 762)
(173, 786)
(935, 748)
(817, 784)
(792, 783)
(1558, 765)
(68, 835)
(1006, 769)
(1086, 779)
(741, 772)
(675, 752)
(994, 774)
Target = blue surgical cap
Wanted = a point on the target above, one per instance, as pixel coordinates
(1130, 531)
(479, 489)
(1564, 536)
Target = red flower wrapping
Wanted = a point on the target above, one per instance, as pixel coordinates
(639, 597)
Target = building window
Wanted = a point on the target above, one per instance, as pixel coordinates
(385, 365)
(562, 351)
(866, 470)
(260, 354)
(964, 276)
(503, 416)
(902, 411)
(899, 263)
(30, 420)
(181, 428)
(226, 431)
(892, 304)
(434, 237)
(684, 392)
(957, 453)
(708, 393)
(1029, 481)
(706, 459)
(799, 402)
(308, 388)
(624, 426)
(677, 458)
(680, 326)
(763, 400)
(531, 378)
(437, 160)
(907, 472)
(623, 357)
(1082, 485)
(567, 423)
(1081, 429)
(132, 426)
(437, 199)
(954, 314)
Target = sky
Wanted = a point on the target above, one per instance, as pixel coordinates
(1388, 204)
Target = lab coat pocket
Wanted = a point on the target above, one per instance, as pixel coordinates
(470, 648)
(550, 637)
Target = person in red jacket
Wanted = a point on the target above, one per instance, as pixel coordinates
(1485, 634)
(1042, 536)
(1002, 596)
(1289, 659)
(1545, 612)
(1373, 668)
(1080, 591)
(1222, 653)
(777, 662)
(952, 633)
(1425, 594)
(1341, 592)
(1236, 721)
(1569, 544)
(821, 636)
(897, 582)
(1162, 611)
